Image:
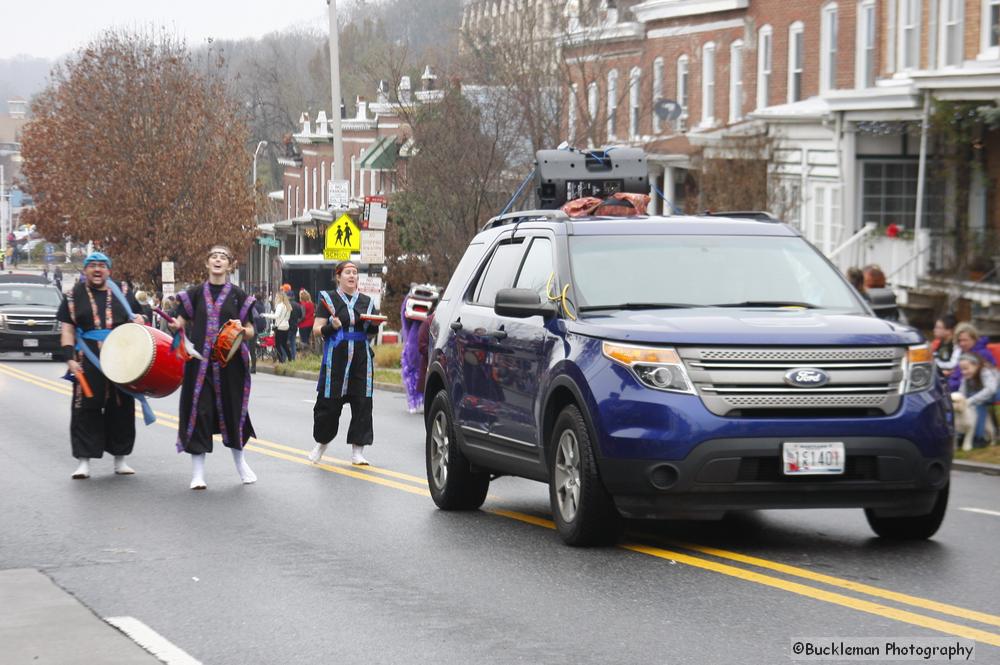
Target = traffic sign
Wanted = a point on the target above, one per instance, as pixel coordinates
(376, 212)
(371, 286)
(339, 194)
(372, 246)
(343, 238)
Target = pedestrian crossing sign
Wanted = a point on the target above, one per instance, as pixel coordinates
(343, 238)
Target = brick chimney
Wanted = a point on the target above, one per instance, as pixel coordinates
(306, 125)
(362, 107)
(428, 80)
(322, 124)
(405, 90)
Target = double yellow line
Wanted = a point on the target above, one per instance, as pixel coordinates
(825, 588)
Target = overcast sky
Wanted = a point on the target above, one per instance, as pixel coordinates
(50, 28)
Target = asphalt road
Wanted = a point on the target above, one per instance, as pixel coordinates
(333, 564)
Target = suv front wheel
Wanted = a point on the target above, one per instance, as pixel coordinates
(919, 527)
(583, 510)
(453, 483)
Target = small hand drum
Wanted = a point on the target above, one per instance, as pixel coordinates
(228, 343)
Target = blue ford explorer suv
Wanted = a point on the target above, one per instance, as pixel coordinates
(678, 367)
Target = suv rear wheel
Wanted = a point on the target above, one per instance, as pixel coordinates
(582, 509)
(919, 527)
(453, 483)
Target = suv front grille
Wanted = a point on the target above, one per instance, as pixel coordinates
(31, 324)
(747, 379)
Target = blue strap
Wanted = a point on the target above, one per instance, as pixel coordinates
(332, 343)
(117, 292)
(99, 335)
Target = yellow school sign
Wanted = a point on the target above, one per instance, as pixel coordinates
(343, 238)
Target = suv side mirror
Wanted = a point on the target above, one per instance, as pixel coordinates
(522, 303)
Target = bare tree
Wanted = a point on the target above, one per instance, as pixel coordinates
(134, 147)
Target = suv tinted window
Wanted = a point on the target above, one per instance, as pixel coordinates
(460, 277)
(499, 273)
(537, 267)
(25, 294)
(705, 270)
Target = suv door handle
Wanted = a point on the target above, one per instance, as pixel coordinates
(456, 325)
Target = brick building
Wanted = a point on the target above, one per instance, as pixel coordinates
(839, 87)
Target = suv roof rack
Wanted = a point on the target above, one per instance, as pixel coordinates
(523, 216)
(757, 215)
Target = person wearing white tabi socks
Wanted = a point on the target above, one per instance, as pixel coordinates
(216, 317)
(346, 319)
(102, 419)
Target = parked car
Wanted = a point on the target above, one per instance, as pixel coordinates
(28, 306)
(678, 367)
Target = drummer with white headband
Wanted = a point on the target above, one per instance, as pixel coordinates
(102, 419)
(215, 395)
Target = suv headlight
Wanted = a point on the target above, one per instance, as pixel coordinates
(655, 367)
(918, 369)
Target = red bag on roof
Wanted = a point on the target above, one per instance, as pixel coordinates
(621, 204)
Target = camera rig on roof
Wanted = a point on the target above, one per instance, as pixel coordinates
(565, 175)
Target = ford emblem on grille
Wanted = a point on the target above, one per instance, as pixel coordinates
(806, 377)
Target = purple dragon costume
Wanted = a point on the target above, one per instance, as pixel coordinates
(417, 305)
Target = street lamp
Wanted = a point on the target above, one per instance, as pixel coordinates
(255, 153)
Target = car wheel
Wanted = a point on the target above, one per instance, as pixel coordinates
(583, 510)
(453, 483)
(919, 527)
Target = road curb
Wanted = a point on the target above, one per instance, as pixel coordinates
(976, 467)
(314, 376)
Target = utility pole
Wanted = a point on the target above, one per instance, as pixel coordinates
(3, 214)
(338, 139)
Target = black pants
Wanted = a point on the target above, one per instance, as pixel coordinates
(111, 430)
(326, 419)
(281, 345)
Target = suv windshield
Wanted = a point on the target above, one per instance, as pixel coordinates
(23, 294)
(647, 272)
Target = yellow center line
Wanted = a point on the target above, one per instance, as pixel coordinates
(272, 449)
(867, 589)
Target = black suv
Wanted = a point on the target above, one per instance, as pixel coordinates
(28, 306)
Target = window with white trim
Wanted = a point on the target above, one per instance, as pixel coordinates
(795, 59)
(683, 91)
(735, 81)
(634, 80)
(952, 38)
(990, 30)
(612, 101)
(288, 203)
(315, 182)
(909, 34)
(657, 92)
(324, 186)
(864, 71)
(765, 47)
(571, 122)
(828, 48)
(708, 83)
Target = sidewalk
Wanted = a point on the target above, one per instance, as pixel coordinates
(41, 623)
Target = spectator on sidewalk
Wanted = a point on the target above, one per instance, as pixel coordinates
(282, 310)
(293, 324)
(977, 388)
(946, 352)
(970, 342)
(308, 317)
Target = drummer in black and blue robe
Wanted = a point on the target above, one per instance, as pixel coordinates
(215, 399)
(347, 372)
(105, 421)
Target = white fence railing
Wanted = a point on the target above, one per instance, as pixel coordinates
(903, 260)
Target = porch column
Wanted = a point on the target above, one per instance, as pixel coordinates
(669, 190)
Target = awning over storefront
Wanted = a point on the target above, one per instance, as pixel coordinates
(381, 156)
(304, 261)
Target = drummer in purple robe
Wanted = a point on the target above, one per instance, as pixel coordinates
(215, 399)
(103, 422)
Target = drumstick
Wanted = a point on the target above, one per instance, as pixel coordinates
(84, 384)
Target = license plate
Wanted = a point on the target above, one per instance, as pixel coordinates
(812, 459)
(30, 343)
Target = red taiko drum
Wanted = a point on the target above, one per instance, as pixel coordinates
(140, 359)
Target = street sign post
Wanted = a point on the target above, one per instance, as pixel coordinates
(268, 241)
(376, 212)
(340, 194)
(371, 286)
(343, 238)
(372, 246)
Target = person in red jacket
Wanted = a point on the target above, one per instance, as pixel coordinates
(308, 317)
